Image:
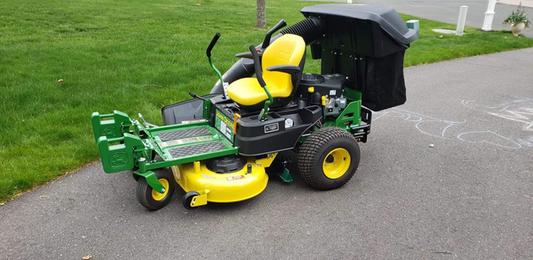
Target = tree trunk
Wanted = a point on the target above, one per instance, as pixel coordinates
(261, 14)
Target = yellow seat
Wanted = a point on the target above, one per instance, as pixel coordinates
(288, 49)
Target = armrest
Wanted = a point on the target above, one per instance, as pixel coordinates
(289, 69)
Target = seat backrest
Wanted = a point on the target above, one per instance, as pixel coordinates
(288, 49)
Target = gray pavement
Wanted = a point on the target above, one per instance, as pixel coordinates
(447, 11)
(527, 3)
(470, 196)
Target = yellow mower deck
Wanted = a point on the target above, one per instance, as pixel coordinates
(239, 185)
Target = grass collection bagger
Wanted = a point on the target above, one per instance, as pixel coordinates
(219, 147)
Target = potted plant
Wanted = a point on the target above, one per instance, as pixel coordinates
(517, 20)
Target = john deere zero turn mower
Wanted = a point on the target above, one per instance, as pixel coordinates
(219, 146)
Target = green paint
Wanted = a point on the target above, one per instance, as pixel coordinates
(131, 152)
(350, 116)
(110, 125)
(352, 94)
(189, 159)
(264, 112)
(224, 125)
(206, 109)
(152, 180)
(119, 154)
(219, 75)
(286, 176)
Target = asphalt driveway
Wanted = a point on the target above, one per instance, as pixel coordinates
(447, 175)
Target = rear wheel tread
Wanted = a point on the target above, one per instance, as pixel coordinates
(311, 151)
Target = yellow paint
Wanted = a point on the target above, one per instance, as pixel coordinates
(161, 196)
(267, 161)
(229, 187)
(236, 117)
(288, 49)
(197, 167)
(311, 89)
(324, 100)
(336, 163)
(199, 200)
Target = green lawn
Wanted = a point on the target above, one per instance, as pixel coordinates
(135, 56)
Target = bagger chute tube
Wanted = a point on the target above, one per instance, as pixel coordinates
(221, 147)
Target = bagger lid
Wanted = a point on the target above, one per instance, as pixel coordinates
(386, 17)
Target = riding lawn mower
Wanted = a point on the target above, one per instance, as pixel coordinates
(219, 147)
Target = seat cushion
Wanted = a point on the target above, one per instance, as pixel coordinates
(246, 92)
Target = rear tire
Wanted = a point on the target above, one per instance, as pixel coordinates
(328, 158)
(153, 200)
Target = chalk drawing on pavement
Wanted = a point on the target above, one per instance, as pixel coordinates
(518, 110)
(488, 137)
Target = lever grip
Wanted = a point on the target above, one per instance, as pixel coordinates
(257, 66)
(272, 30)
(212, 44)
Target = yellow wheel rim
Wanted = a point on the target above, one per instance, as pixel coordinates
(161, 196)
(336, 163)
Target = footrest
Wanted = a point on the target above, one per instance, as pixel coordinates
(184, 133)
(127, 144)
(185, 151)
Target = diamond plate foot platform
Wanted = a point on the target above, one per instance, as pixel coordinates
(185, 151)
(184, 133)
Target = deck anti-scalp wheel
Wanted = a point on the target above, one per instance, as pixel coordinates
(328, 158)
(152, 199)
(188, 198)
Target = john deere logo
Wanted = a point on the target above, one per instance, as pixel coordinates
(118, 159)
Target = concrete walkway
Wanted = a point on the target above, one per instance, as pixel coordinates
(447, 11)
(525, 3)
(448, 175)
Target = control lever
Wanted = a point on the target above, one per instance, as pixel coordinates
(208, 53)
(263, 115)
(272, 30)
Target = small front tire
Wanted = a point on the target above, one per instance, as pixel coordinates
(151, 199)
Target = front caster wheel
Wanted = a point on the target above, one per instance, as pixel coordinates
(151, 199)
(328, 158)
